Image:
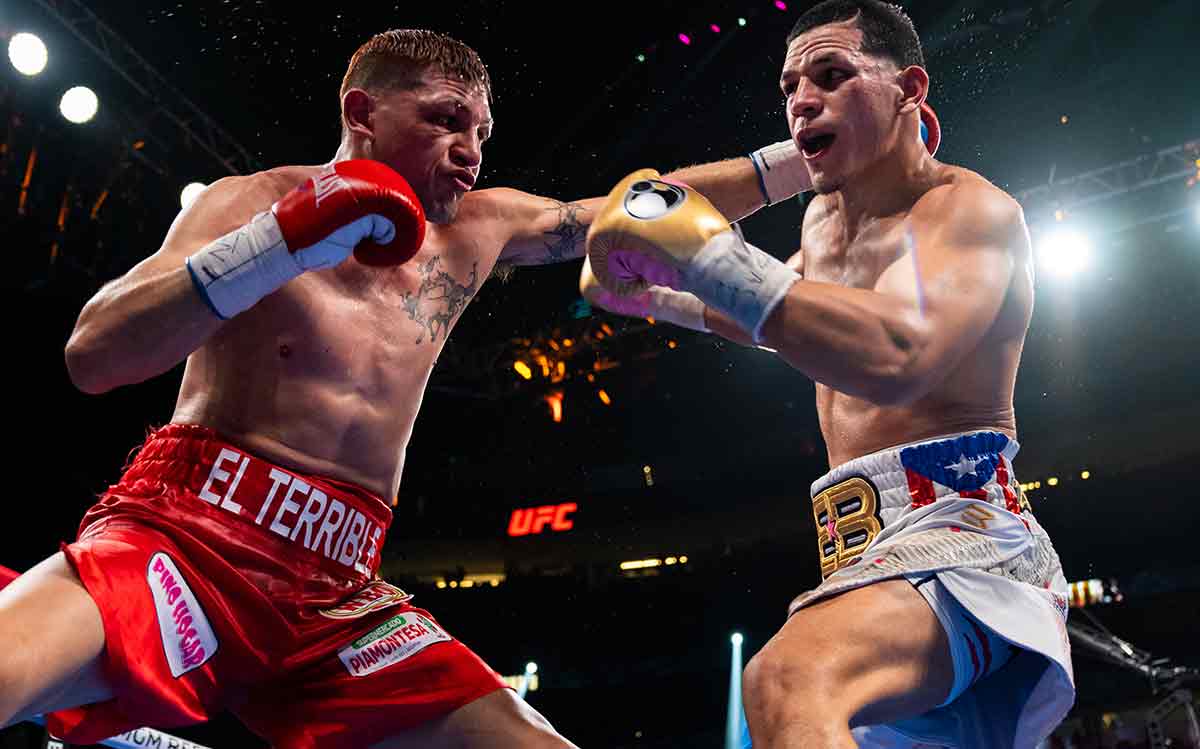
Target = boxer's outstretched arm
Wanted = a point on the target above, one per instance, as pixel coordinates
(732, 186)
(892, 343)
(148, 320)
(542, 230)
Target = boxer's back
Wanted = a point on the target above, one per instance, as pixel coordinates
(327, 373)
(977, 393)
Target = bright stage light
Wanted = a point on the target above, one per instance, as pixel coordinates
(736, 638)
(531, 668)
(79, 104)
(189, 193)
(27, 53)
(1064, 252)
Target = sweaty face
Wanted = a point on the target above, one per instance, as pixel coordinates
(840, 103)
(433, 136)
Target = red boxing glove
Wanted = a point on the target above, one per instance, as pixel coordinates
(359, 206)
(352, 190)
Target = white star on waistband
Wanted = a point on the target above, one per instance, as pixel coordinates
(964, 466)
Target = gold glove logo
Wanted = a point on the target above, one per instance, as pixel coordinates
(651, 199)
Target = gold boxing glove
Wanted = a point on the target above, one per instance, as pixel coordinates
(651, 232)
(668, 305)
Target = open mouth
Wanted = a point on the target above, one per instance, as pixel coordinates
(816, 145)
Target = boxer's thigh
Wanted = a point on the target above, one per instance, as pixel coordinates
(53, 638)
(391, 678)
(870, 655)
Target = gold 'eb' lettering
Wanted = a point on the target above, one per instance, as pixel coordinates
(847, 517)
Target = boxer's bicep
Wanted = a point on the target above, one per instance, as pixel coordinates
(539, 231)
(149, 319)
(955, 277)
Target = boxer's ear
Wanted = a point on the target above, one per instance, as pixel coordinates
(914, 87)
(356, 112)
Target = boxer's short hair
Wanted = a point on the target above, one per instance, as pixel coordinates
(397, 59)
(887, 30)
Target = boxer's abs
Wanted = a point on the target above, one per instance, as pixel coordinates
(325, 376)
(853, 427)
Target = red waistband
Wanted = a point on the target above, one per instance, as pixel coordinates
(339, 522)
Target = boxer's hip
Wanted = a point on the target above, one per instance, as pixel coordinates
(933, 505)
(210, 494)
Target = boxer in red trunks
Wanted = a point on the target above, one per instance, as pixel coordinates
(233, 566)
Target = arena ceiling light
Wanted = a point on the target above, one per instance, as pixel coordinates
(736, 638)
(27, 53)
(189, 193)
(1063, 252)
(79, 104)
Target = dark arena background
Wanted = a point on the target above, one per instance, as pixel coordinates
(610, 499)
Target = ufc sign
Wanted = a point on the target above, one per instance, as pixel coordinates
(535, 519)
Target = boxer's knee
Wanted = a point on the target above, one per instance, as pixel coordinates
(786, 690)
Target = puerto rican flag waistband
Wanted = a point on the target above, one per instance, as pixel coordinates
(972, 464)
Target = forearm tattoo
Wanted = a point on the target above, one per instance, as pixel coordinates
(565, 241)
(439, 299)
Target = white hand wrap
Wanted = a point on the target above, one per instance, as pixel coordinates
(781, 171)
(740, 280)
(677, 307)
(232, 273)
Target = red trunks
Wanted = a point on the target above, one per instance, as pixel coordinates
(226, 582)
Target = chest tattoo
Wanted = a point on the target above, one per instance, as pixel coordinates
(439, 298)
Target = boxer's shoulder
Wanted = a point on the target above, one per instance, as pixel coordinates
(490, 205)
(962, 200)
(283, 179)
(255, 191)
(485, 219)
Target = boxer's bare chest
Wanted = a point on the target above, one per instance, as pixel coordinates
(346, 321)
(833, 253)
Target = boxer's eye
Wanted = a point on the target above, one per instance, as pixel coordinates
(835, 76)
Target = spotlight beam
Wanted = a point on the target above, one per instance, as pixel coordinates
(734, 713)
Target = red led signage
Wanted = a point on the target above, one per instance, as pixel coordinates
(535, 519)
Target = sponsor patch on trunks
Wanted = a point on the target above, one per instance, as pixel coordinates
(374, 596)
(187, 637)
(398, 638)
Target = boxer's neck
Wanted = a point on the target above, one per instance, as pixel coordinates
(889, 186)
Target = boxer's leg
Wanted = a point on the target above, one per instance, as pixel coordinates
(871, 655)
(498, 720)
(52, 639)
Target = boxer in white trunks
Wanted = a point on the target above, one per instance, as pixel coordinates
(941, 618)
